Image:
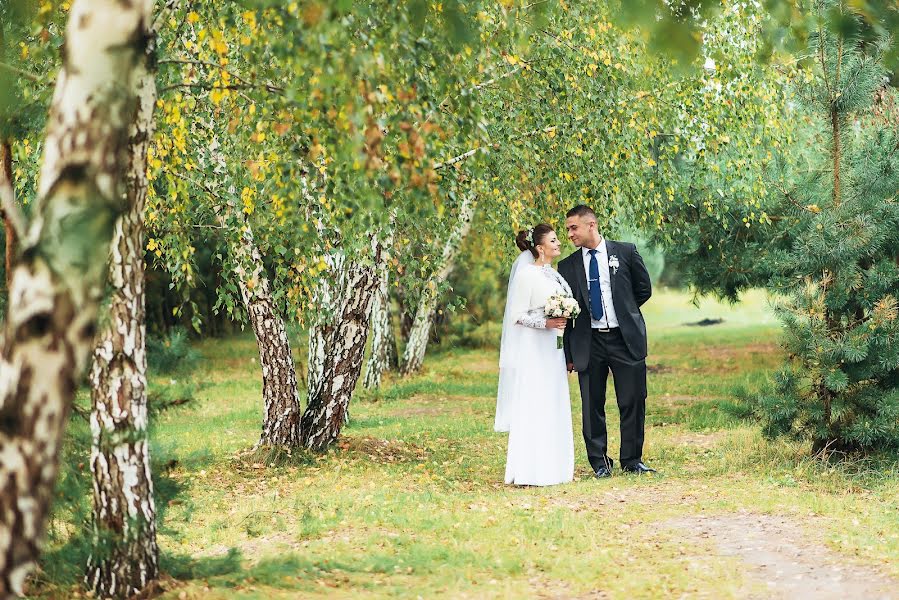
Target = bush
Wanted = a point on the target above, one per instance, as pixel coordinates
(162, 396)
(465, 334)
(171, 354)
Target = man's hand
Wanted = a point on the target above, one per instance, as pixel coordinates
(556, 323)
(570, 367)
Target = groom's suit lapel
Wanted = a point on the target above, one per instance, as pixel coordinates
(611, 250)
(580, 275)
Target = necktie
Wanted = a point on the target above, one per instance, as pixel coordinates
(595, 291)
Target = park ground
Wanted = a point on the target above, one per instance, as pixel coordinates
(410, 503)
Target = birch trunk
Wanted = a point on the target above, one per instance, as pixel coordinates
(328, 294)
(383, 343)
(414, 353)
(57, 284)
(343, 348)
(6, 182)
(125, 556)
(280, 394)
(316, 367)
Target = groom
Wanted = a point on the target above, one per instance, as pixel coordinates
(610, 282)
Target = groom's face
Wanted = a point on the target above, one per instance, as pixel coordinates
(581, 230)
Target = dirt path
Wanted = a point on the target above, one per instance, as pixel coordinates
(781, 560)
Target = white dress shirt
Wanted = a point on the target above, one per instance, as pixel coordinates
(609, 319)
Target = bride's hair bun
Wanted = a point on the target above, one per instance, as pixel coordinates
(523, 240)
(529, 239)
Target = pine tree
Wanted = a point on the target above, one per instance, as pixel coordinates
(836, 262)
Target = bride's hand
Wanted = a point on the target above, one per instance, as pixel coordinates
(556, 323)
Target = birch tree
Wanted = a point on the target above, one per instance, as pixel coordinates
(125, 556)
(383, 355)
(344, 340)
(219, 166)
(57, 284)
(416, 346)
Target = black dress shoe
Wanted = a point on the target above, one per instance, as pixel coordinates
(605, 470)
(638, 468)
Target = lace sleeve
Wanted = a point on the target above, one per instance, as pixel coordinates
(534, 318)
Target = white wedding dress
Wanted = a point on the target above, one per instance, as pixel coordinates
(533, 402)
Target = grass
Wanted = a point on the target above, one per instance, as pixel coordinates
(410, 503)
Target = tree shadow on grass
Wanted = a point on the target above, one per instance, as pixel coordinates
(231, 570)
(286, 571)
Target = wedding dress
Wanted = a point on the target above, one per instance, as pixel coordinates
(533, 402)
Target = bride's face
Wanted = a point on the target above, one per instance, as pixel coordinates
(551, 247)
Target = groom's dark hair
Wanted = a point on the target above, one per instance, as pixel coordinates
(581, 210)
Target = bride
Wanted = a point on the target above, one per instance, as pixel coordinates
(533, 402)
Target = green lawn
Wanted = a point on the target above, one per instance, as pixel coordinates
(411, 501)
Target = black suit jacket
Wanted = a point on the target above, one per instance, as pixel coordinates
(631, 288)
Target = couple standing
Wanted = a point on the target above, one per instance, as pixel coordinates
(610, 283)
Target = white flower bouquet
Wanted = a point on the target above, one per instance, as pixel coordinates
(561, 306)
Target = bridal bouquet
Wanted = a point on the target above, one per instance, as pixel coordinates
(561, 307)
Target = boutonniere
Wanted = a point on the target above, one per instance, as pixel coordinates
(613, 264)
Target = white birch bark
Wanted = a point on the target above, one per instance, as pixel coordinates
(125, 556)
(57, 284)
(329, 295)
(383, 343)
(280, 393)
(414, 353)
(344, 340)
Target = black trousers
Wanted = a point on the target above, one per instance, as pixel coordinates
(608, 352)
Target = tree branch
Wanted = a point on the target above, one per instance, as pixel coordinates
(532, 4)
(486, 148)
(26, 74)
(495, 79)
(266, 86)
(205, 63)
(207, 226)
(199, 184)
(169, 6)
